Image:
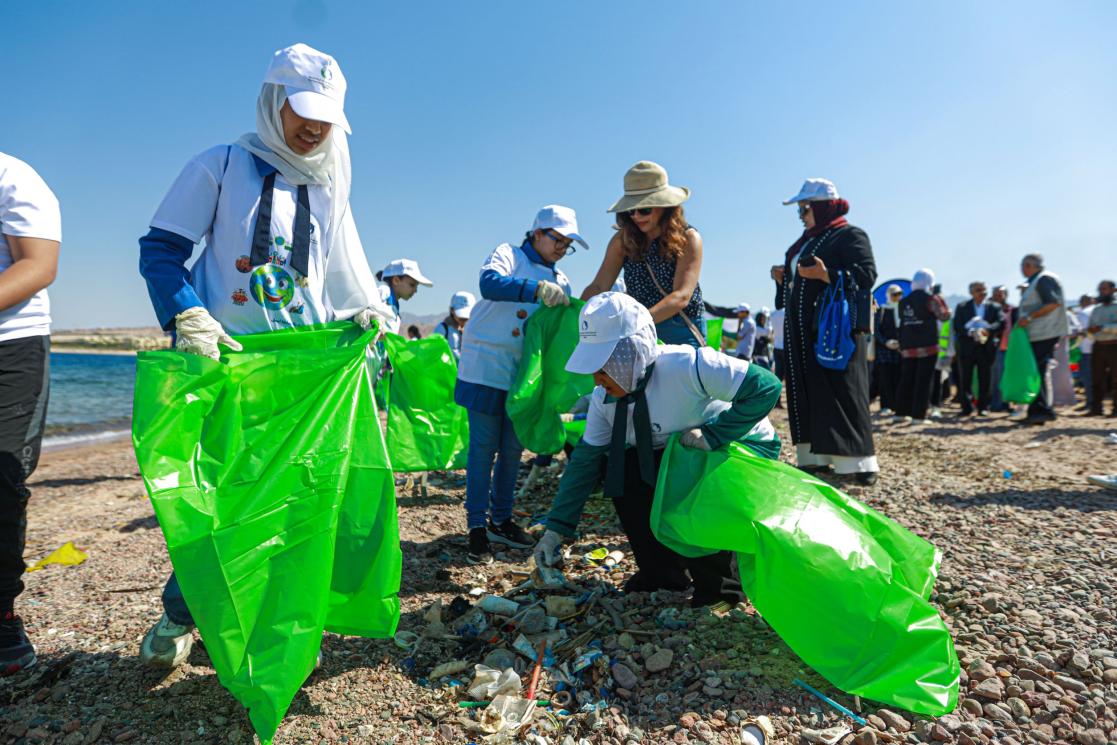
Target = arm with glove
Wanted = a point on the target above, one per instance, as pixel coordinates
(578, 481)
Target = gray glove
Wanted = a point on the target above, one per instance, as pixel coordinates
(547, 551)
(551, 294)
(197, 332)
(366, 316)
(693, 438)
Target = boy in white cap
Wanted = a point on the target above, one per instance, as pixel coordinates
(746, 332)
(281, 250)
(401, 279)
(514, 281)
(646, 392)
(453, 325)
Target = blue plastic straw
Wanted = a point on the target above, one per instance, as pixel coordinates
(811, 689)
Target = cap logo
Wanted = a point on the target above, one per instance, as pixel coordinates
(586, 332)
(326, 73)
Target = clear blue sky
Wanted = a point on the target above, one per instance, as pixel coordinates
(964, 134)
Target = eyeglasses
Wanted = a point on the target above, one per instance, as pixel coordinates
(643, 211)
(564, 243)
(804, 208)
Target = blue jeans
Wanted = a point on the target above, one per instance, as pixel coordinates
(489, 492)
(675, 331)
(174, 605)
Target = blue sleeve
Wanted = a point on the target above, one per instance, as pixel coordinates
(504, 289)
(163, 257)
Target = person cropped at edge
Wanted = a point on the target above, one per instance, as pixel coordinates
(514, 281)
(1103, 328)
(400, 281)
(977, 326)
(30, 238)
(920, 313)
(452, 326)
(282, 247)
(1043, 313)
(888, 349)
(646, 392)
(828, 410)
(659, 254)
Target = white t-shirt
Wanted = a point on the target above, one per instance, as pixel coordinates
(28, 209)
(218, 201)
(689, 388)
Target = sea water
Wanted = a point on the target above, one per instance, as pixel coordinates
(90, 398)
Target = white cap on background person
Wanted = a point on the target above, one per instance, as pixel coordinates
(815, 190)
(462, 304)
(313, 82)
(604, 320)
(406, 268)
(744, 307)
(560, 219)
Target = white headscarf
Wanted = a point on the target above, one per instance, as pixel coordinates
(631, 358)
(924, 280)
(350, 286)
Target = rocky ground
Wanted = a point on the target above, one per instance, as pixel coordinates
(1028, 586)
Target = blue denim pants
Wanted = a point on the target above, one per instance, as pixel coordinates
(675, 331)
(489, 492)
(174, 605)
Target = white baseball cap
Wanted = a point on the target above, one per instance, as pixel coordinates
(815, 190)
(560, 219)
(313, 82)
(406, 268)
(605, 319)
(462, 304)
(743, 307)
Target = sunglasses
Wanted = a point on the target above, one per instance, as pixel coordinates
(643, 212)
(804, 209)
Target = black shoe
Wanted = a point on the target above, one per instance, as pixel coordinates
(16, 652)
(1037, 419)
(814, 470)
(866, 478)
(646, 582)
(510, 534)
(479, 550)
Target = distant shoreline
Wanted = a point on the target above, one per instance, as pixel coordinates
(92, 350)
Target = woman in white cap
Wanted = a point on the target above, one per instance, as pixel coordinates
(401, 280)
(281, 250)
(659, 253)
(828, 409)
(452, 326)
(646, 392)
(515, 280)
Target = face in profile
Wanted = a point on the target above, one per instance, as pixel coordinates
(304, 136)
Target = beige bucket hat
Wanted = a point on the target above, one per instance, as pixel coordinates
(645, 185)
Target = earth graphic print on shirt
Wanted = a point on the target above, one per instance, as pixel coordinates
(271, 285)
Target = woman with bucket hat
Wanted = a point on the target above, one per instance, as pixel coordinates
(282, 247)
(828, 409)
(645, 393)
(659, 254)
(515, 280)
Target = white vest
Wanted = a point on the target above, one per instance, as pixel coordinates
(493, 340)
(1050, 326)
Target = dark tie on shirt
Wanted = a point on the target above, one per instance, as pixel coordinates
(261, 234)
(642, 424)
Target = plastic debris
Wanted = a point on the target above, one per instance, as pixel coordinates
(830, 702)
(561, 606)
(449, 668)
(489, 683)
(67, 555)
(499, 605)
(507, 713)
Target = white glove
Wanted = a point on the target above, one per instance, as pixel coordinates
(366, 316)
(566, 418)
(199, 333)
(892, 344)
(547, 550)
(693, 438)
(551, 294)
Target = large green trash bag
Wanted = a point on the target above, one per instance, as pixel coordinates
(543, 390)
(427, 431)
(844, 586)
(714, 329)
(1020, 380)
(268, 473)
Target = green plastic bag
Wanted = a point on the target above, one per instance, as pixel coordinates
(543, 389)
(427, 431)
(844, 586)
(714, 332)
(268, 473)
(1020, 380)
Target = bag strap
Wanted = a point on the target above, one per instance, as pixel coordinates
(689, 323)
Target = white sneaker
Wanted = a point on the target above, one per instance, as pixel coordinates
(166, 644)
(886, 412)
(936, 413)
(1106, 482)
(926, 421)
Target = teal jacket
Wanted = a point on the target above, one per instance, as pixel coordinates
(754, 399)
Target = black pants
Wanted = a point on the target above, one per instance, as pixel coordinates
(659, 563)
(1044, 352)
(888, 383)
(915, 386)
(24, 388)
(981, 361)
(1104, 372)
(778, 363)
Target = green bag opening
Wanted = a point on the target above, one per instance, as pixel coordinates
(1020, 380)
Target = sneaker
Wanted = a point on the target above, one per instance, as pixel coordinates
(866, 478)
(480, 552)
(886, 412)
(1106, 482)
(936, 413)
(901, 419)
(926, 421)
(510, 534)
(167, 644)
(16, 651)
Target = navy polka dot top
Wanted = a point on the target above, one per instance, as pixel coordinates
(641, 287)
